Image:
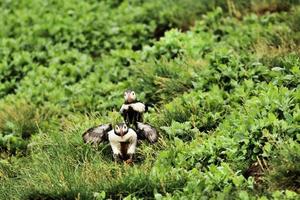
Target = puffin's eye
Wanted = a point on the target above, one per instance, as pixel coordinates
(124, 127)
(133, 94)
(117, 128)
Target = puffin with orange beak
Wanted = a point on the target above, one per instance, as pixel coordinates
(122, 139)
(132, 110)
(123, 142)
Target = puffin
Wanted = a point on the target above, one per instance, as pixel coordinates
(123, 142)
(132, 110)
(122, 138)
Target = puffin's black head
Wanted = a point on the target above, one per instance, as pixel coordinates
(121, 129)
(129, 96)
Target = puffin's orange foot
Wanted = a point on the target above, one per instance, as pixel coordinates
(129, 162)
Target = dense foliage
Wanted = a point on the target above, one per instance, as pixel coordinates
(222, 79)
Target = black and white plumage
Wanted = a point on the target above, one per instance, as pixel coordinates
(132, 110)
(123, 142)
(121, 138)
(145, 131)
(97, 134)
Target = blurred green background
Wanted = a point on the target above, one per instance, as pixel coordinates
(222, 77)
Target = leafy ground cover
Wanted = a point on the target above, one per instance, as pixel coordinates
(222, 79)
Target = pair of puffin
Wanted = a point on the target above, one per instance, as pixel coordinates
(123, 136)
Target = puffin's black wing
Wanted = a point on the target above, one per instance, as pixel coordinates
(145, 131)
(124, 110)
(97, 134)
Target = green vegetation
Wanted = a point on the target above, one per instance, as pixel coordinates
(223, 79)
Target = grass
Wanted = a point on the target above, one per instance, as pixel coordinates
(222, 82)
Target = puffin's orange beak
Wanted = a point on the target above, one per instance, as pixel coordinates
(122, 133)
(128, 98)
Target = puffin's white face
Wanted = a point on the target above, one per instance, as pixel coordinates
(121, 129)
(129, 96)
